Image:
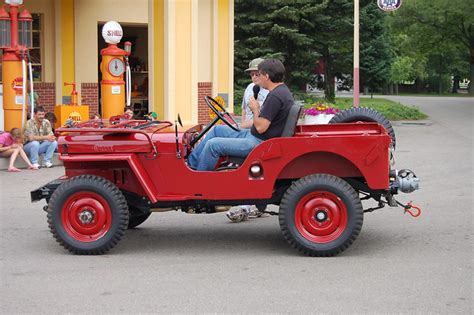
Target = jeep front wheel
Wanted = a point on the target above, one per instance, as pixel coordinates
(320, 215)
(88, 215)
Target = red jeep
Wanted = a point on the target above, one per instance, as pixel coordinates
(119, 172)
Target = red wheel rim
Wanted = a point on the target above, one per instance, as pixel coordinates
(86, 216)
(321, 217)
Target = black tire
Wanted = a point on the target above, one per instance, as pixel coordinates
(94, 200)
(136, 217)
(332, 198)
(364, 114)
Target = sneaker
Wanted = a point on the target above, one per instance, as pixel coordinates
(48, 164)
(257, 212)
(36, 165)
(238, 214)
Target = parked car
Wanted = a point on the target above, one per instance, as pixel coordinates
(117, 174)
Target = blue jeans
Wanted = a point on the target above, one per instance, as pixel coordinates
(34, 148)
(221, 141)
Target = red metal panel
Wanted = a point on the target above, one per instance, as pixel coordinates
(344, 150)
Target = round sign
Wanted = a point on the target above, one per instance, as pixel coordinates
(116, 67)
(112, 32)
(389, 5)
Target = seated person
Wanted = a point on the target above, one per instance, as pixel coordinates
(40, 137)
(128, 113)
(267, 124)
(10, 146)
(51, 117)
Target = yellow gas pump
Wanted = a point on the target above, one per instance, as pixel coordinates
(15, 39)
(113, 67)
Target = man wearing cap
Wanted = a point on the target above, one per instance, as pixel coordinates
(267, 123)
(247, 115)
(246, 211)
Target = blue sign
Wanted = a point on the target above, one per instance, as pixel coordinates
(389, 5)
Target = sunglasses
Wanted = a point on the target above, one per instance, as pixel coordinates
(255, 74)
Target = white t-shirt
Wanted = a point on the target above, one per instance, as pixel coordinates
(262, 95)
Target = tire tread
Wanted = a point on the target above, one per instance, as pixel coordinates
(115, 194)
(323, 179)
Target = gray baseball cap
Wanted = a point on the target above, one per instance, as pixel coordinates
(253, 65)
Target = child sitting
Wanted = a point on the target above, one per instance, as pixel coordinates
(10, 146)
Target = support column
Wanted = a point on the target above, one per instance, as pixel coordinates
(67, 58)
(183, 58)
(223, 50)
(170, 60)
(356, 54)
(156, 57)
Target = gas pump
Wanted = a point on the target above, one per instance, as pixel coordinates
(73, 93)
(16, 38)
(114, 64)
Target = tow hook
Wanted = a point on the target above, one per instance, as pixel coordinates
(408, 208)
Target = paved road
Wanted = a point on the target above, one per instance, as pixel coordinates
(201, 263)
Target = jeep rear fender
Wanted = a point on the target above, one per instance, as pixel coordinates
(319, 162)
(353, 156)
(133, 162)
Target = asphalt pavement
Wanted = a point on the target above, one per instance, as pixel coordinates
(177, 262)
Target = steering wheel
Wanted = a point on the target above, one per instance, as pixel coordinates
(221, 113)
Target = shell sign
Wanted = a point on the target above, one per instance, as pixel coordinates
(75, 116)
(17, 85)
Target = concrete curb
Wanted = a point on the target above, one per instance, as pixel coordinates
(22, 165)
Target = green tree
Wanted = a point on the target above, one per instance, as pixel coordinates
(443, 33)
(300, 32)
(274, 29)
(375, 47)
(332, 26)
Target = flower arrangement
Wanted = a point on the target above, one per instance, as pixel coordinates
(319, 108)
(221, 102)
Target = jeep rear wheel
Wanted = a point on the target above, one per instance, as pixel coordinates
(87, 215)
(320, 215)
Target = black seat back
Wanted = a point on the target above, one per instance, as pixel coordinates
(291, 121)
(289, 130)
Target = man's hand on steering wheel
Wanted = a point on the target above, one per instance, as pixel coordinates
(221, 113)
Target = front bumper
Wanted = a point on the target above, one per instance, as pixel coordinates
(47, 190)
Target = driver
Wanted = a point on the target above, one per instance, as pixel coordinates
(267, 124)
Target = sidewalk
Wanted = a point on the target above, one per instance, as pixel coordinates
(20, 164)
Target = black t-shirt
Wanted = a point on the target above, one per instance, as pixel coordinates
(275, 108)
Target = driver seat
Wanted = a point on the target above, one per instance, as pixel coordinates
(233, 162)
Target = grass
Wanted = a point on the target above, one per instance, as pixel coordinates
(390, 109)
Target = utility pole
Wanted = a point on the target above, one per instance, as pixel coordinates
(356, 54)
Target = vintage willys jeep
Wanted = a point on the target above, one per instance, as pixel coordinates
(118, 173)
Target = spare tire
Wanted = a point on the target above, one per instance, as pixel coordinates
(364, 114)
